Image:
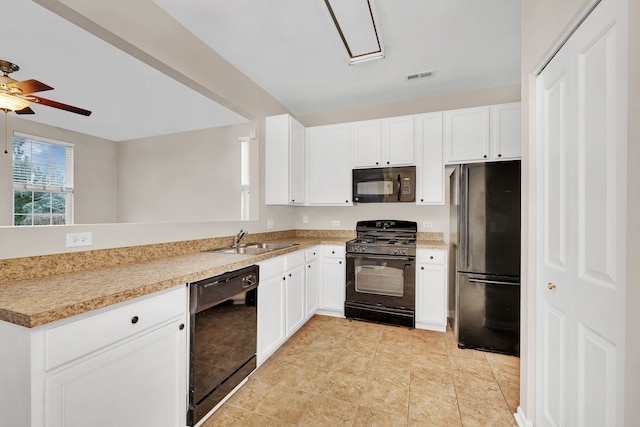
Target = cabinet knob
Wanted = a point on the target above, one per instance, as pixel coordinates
(308, 266)
(346, 201)
(135, 319)
(289, 274)
(430, 256)
(377, 163)
(551, 286)
(339, 262)
(293, 200)
(422, 268)
(499, 155)
(181, 326)
(485, 156)
(388, 162)
(333, 252)
(422, 200)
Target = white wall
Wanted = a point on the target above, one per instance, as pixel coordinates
(190, 176)
(95, 173)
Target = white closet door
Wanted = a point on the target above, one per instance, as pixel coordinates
(581, 254)
(554, 234)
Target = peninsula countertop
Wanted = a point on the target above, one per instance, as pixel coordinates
(35, 302)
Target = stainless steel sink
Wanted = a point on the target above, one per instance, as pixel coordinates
(254, 248)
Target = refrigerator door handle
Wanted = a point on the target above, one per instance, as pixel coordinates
(493, 282)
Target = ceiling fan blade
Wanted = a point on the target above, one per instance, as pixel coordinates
(59, 105)
(31, 86)
(25, 110)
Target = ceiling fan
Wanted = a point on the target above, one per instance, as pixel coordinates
(16, 96)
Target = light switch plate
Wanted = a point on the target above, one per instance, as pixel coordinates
(335, 223)
(269, 224)
(305, 219)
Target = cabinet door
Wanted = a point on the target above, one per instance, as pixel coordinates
(312, 285)
(329, 165)
(398, 141)
(430, 168)
(367, 141)
(295, 299)
(138, 383)
(466, 135)
(333, 284)
(505, 131)
(271, 317)
(277, 135)
(431, 296)
(296, 163)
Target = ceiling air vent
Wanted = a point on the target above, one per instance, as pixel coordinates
(422, 75)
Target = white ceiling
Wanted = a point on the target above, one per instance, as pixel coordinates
(128, 99)
(288, 47)
(292, 49)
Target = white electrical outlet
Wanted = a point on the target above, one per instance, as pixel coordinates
(305, 219)
(269, 224)
(79, 239)
(427, 224)
(335, 223)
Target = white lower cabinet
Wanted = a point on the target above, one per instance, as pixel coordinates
(333, 276)
(431, 289)
(124, 365)
(294, 292)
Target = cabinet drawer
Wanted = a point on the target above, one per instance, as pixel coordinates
(431, 257)
(312, 254)
(333, 251)
(78, 338)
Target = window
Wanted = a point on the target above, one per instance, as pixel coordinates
(42, 181)
(245, 173)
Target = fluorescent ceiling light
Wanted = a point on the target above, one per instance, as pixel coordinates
(356, 25)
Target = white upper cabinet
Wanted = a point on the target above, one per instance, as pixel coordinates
(505, 131)
(284, 161)
(430, 166)
(466, 135)
(482, 134)
(329, 165)
(385, 142)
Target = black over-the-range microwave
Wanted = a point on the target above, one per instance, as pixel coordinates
(384, 185)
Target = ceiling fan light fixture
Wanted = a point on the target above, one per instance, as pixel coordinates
(12, 102)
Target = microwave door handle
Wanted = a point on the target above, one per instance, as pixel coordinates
(399, 192)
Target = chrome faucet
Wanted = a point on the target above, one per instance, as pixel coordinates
(239, 236)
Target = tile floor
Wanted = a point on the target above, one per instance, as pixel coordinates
(335, 372)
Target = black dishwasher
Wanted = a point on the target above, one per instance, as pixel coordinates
(223, 314)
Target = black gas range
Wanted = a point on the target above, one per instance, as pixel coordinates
(381, 272)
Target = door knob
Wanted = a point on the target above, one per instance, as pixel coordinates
(551, 286)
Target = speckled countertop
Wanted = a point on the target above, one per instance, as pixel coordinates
(37, 301)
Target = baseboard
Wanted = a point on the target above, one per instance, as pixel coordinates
(521, 418)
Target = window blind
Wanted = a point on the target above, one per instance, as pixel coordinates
(42, 164)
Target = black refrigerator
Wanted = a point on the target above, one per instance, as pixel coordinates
(485, 203)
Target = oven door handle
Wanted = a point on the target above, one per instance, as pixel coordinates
(389, 257)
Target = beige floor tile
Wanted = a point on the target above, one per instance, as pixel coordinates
(512, 395)
(387, 397)
(395, 373)
(303, 378)
(328, 412)
(477, 368)
(337, 372)
(506, 374)
(475, 414)
(353, 363)
(426, 357)
(343, 386)
(479, 390)
(250, 395)
(228, 416)
(432, 380)
(369, 417)
(285, 404)
(429, 345)
(433, 409)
